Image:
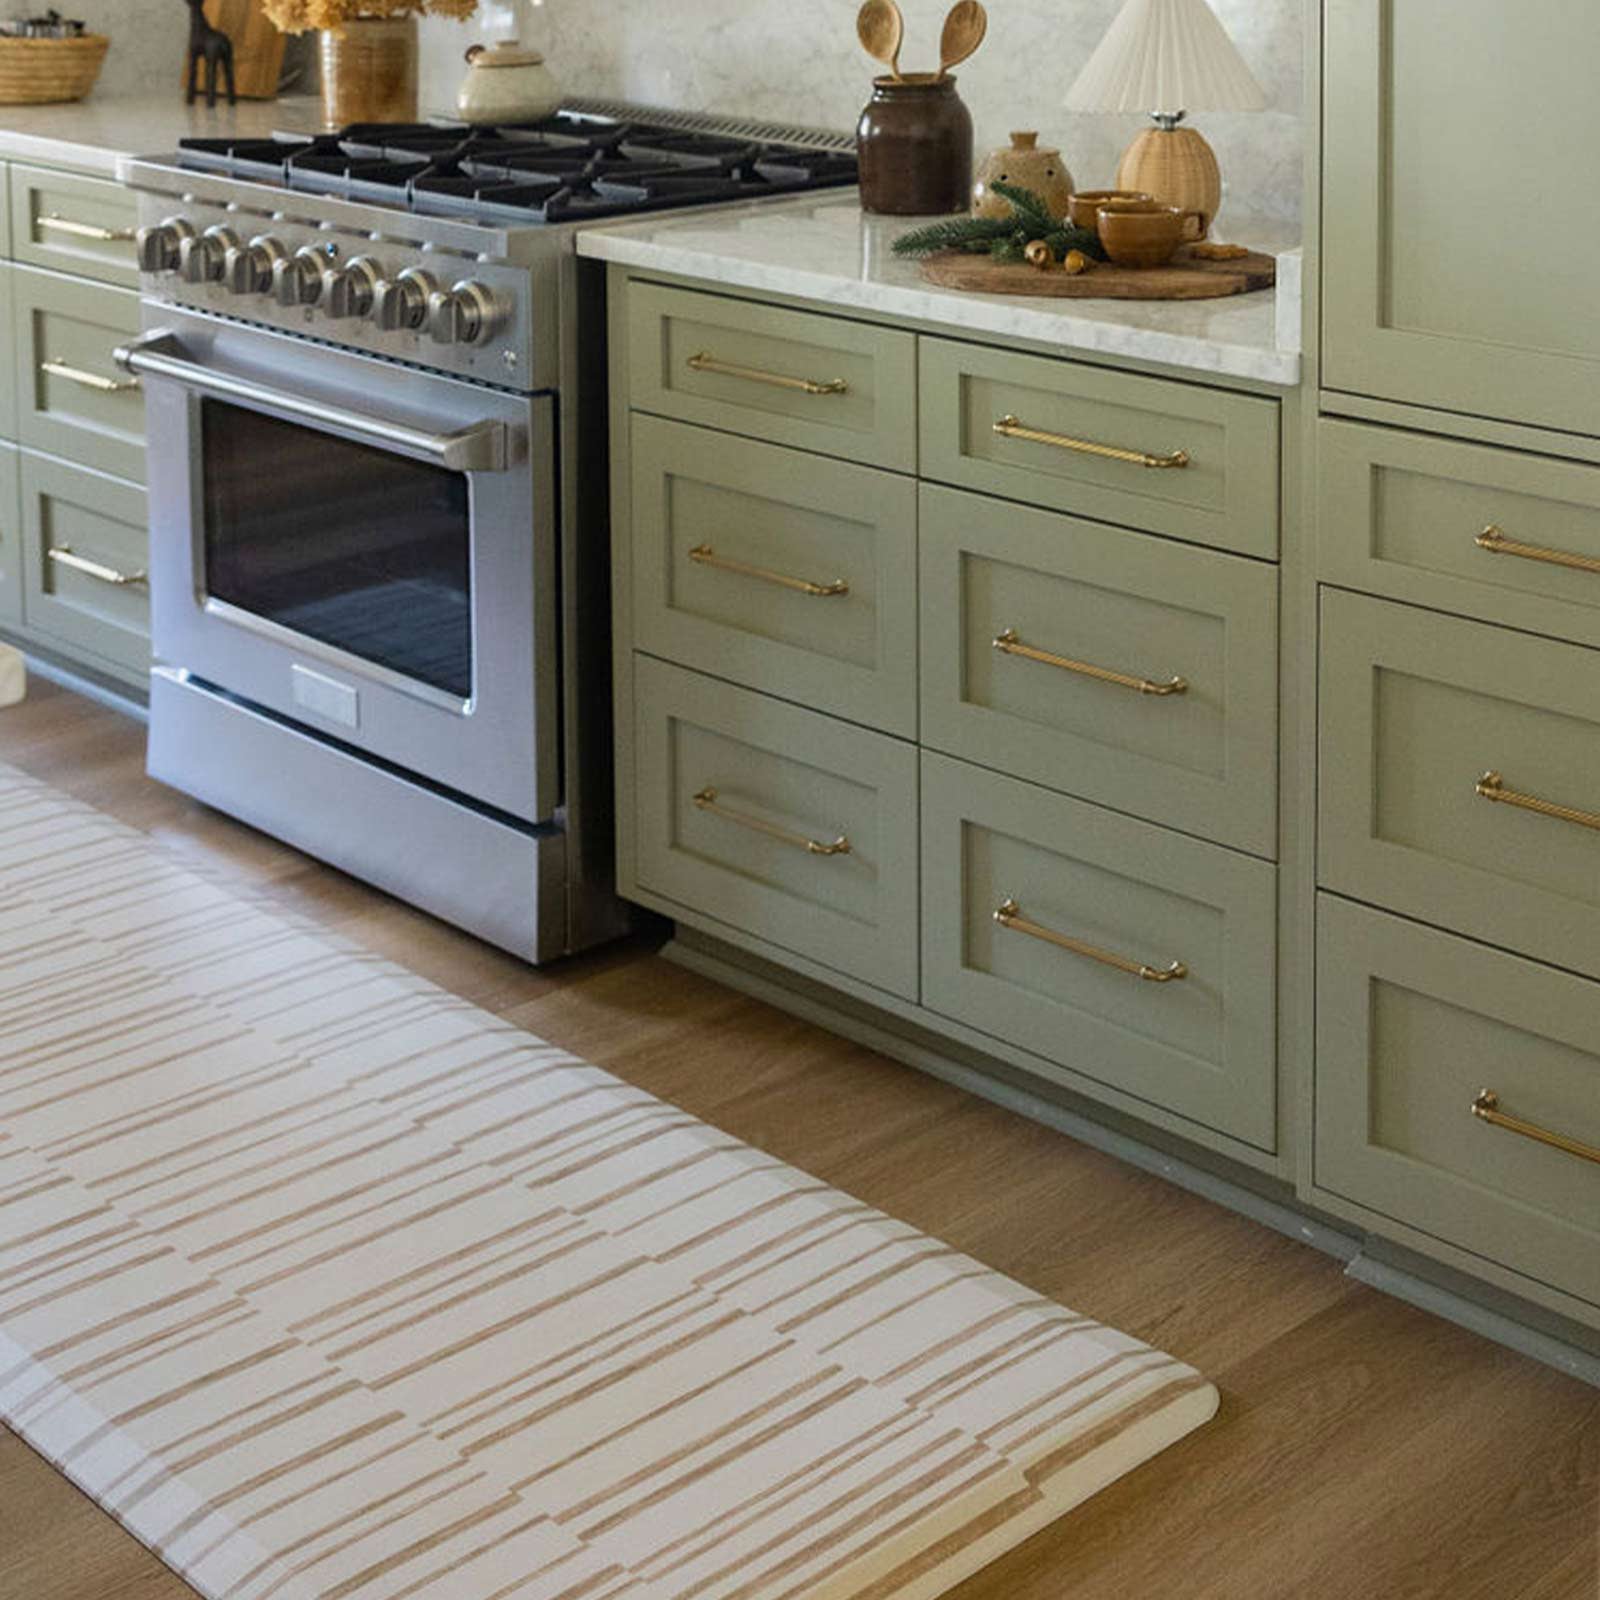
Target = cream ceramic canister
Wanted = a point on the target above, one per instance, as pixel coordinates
(1029, 167)
(507, 83)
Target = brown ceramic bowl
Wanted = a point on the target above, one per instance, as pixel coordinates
(1144, 233)
(1081, 208)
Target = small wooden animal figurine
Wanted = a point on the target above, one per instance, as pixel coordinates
(212, 46)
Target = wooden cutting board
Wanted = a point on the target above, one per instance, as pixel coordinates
(1183, 278)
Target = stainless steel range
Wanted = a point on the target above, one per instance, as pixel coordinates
(374, 373)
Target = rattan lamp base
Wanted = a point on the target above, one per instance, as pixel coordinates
(1176, 166)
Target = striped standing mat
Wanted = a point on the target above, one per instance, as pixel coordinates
(326, 1283)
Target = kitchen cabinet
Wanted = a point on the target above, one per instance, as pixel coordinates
(1459, 226)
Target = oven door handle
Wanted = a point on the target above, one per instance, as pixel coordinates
(480, 448)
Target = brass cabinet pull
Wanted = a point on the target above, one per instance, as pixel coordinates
(1492, 787)
(1493, 540)
(1009, 644)
(54, 222)
(704, 361)
(65, 556)
(88, 380)
(706, 799)
(1009, 427)
(707, 557)
(1009, 915)
(1487, 1106)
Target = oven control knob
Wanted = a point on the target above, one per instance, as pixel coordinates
(400, 304)
(348, 291)
(158, 246)
(248, 269)
(200, 259)
(466, 314)
(297, 279)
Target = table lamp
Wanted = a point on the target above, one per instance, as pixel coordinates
(1168, 57)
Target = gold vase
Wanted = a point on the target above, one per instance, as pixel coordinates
(369, 71)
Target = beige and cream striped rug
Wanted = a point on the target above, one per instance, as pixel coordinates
(326, 1283)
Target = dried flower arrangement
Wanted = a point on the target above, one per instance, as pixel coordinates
(298, 16)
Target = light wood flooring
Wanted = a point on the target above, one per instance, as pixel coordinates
(1364, 1449)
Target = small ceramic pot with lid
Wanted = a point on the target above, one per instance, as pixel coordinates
(1028, 166)
(507, 83)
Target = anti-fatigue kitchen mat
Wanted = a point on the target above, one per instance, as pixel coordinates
(326, 1283)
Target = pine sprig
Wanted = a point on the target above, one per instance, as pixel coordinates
(1027, 208)
(1002, 238)
(953, 233)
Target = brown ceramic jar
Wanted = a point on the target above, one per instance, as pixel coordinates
(915, 145)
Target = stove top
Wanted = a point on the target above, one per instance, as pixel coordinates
(571, 167)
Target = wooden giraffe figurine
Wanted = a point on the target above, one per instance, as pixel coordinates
(212, 46)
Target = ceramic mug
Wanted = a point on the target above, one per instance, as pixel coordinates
(1145, 233)
(1081, 208)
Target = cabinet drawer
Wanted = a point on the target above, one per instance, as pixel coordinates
(73, 224)
(72, 399)
(84, 551)
(1461, 527)
(10, 538)
(1153, 688)
(780, 822)
(821, 383)
(776, 569)
(8, 349)
(1416, 709)
(1412, 1026)
(1199, 464)
(1005, 865)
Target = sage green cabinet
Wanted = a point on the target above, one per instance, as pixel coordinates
(10, 539)
(779, 570)
(71, 223)
(1125, 952)
(8, 351)
(1459, 229)
(1108, 664)
(1413, 1026)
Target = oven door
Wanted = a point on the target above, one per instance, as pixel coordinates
(360, 547)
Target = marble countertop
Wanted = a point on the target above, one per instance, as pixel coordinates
(89, 135)
(833, 252)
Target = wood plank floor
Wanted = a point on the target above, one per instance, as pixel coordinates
(1364, 1449)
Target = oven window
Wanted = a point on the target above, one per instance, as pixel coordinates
(344, 543)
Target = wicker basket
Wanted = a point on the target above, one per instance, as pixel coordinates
(38, 71)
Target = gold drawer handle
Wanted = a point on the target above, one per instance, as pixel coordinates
(54, 222)
(707, 557)
(1493, 540)
(1487, 1106)
(1009, 427)
(1009, 644)
(703, 361)
(1492, 787)
(1009, 915)
(88, 380)
(706, 799)
(64, 556)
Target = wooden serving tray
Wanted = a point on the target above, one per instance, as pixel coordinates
(1183, 278)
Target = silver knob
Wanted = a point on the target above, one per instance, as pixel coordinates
(348, 291)
(158, 246)
(466, 314)
(248, 269)
(200, 260)
(401, 303)
(297, 279)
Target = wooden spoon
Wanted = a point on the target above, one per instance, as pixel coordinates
(880, 28)
(963, 32)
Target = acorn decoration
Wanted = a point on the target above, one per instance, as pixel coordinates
(1037, 254)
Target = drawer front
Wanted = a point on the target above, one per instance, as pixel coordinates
(788, 825)
(1199, 1043)
(72, 399)
(820, 383)
(1107, 664)
(1417, 709)
(1461, 527)
(10, 539)
(1198, 464)
(73, 224)
(778, 570)
(84, 552)
(1412, 1026)
(8, 348)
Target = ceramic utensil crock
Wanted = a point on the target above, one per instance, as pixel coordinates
(914, 140)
